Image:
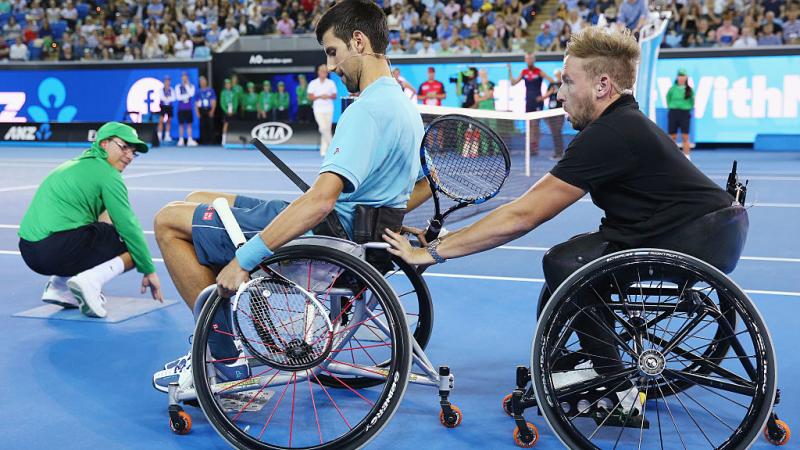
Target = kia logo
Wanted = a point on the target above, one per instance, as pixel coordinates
(272, 133)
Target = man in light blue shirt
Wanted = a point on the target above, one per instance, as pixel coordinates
(633, 13)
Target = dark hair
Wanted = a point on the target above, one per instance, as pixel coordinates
(347, 16)
(688, 94)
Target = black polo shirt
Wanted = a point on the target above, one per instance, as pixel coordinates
(637, 175)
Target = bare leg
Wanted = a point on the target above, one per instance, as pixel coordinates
(209, 197)
(674, 138)
(127, 261)
(685, 141)
(173, 227)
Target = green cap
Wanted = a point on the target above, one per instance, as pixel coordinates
(125, 132)
(281, 83)
(267, 83)
(250, 84)
(682, 71)
(227, 80)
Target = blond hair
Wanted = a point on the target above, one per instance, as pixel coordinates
(607, 52)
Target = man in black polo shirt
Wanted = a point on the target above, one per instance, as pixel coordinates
(629, 166)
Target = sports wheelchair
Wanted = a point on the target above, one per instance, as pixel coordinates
(692, 364)
(339, 375)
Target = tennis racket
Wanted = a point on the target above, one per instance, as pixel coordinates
(464, 160)
(280, 323)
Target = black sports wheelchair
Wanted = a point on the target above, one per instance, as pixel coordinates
(331, 330)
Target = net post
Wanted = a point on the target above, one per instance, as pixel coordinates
(527, 147)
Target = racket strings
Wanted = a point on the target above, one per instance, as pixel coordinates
(467, 161)
(281, 325)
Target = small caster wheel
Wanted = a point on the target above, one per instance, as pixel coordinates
(526, 442)
(781, 437)
(453, 419)
(507, 405)
(179, 420)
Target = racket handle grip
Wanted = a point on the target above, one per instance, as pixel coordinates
(229, 222)
(434, 228)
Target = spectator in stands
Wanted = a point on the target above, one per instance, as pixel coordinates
(5, 50)
(5, 7)
(791, 27)
(518, 41)
(128, 55)
(546, 40)
(769, 19)
(205, 105)
(444, 30)
(69, 14)
(575, 21)
(493, 43)
(632, 13)
(155, 10)
(564, 37)
(746, 39)
(427, 49)
(727, 33)
(768, 36)
(12, 30)
(229, 33)
(151, 49)
(213, 36)
(484, 93)
(322, 91)
(429, 30)
(19, 51)
(286, 25)
(302, 26)
(184, 46)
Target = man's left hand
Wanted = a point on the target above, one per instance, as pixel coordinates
(230, 278)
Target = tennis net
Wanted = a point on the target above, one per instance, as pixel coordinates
(535, 140)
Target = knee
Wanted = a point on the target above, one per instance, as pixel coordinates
(200, 197)
(168, 219)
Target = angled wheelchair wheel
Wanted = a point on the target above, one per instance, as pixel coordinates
(352, 323)
(640, 349)
(413, 293)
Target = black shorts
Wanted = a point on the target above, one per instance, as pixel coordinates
(68, 253)
(532, 105)
(166, 110)
(679, 119)
(184, 116)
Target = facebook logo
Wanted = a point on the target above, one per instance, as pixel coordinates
(144, 98)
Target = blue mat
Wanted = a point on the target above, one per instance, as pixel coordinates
(119, 309)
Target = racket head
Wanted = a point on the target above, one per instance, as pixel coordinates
(282, 324)
(464, 159)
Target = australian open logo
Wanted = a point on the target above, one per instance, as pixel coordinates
(272, 133)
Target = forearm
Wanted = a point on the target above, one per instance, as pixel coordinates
(420, 194)
(300, 216)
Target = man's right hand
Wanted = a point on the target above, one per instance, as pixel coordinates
(151, 280)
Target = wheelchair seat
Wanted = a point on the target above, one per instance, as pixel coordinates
(717, 237)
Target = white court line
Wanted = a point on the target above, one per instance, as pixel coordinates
(243, 191)
(134, 175)
(496, 278)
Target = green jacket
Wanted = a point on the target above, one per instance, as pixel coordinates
(676, 98)
(266, 101)
(302, 95)
(250, 102)
(75, 193)
(488, 103)
(281, 101)
(229, 101)
(238, 90)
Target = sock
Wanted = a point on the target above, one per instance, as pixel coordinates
(104, 272)
(59, 283)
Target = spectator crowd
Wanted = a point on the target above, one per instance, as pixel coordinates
(71, 30)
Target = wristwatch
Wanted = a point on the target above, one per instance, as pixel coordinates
(431, 248)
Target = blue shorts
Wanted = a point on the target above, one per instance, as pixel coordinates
(211, 241)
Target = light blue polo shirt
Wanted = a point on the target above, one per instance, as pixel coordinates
(376, 150)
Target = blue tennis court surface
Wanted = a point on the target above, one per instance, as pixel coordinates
(75, 385)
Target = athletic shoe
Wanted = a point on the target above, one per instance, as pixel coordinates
(582, 372)
(163, 378)
(56, 292)
(233, 370)
(90, 300)
(191, 143)
(167, 138)
(180, 142)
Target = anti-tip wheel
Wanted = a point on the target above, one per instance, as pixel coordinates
(779, 438)
(180, 422)
(451, 420)
(507, 405)
(527, 443)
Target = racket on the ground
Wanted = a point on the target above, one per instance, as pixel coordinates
(463, 159)
(279, 322)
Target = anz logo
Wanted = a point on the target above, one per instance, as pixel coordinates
(28, 133)
(272, 133)
(52, 95)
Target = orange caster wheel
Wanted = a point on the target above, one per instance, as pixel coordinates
(179, 421)
(780, 437)
(507, 405)
(527, 442)
(453, 419)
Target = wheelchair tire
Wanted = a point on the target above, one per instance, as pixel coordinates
(586, 411)
(312, 416)
(420, 323)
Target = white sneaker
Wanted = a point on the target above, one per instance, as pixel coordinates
(181, 373)
(90, 300)
(167, 138)
(56, 292)
(191, 143)
(580, 373)
(180, 142)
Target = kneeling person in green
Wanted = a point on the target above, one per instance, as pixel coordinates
(80, 229)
